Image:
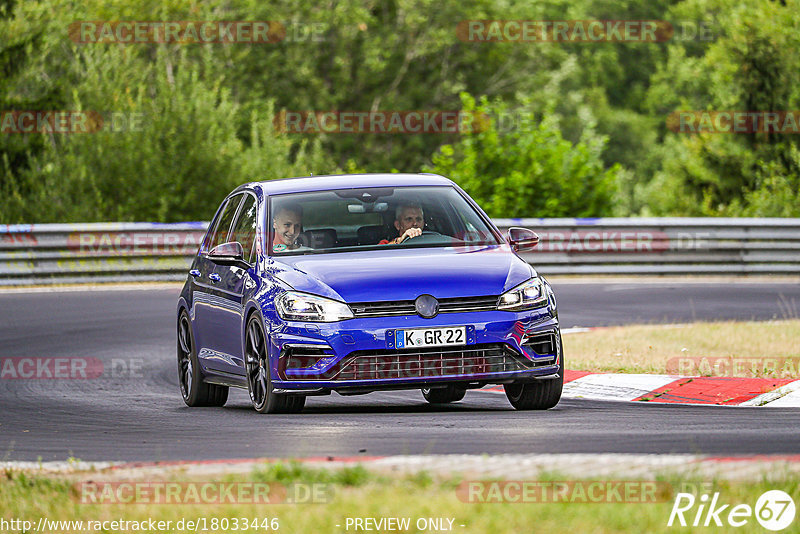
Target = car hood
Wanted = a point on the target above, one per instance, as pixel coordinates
(370, 276)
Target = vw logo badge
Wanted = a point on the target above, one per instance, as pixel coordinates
(427, 306)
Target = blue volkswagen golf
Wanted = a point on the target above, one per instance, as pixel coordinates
(362, 283)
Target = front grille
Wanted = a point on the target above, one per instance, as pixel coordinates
(426, 363)
(406, 307)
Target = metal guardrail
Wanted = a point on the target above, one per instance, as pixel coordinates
(113, 252)
(97, 252)
(664, 246)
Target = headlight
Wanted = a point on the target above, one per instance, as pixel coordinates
(527, 295)
(551, 296)
(294, 306)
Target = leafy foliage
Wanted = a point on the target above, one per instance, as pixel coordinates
(599, 144)
(528, 171)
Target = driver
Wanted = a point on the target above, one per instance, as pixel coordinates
(409, 221)
(287, 223)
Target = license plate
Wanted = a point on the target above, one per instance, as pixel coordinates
(431, 337)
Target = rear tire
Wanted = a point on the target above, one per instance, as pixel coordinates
(259, 382)
(445, 395)
(194, 391)
(539, 395)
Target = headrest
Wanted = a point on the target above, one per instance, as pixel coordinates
(319, 238)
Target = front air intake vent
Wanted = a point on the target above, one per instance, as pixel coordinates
(542, 344)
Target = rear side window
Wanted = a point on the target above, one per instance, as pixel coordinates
(244, 230)
(220, 234)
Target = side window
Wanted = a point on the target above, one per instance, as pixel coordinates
(244, 230)
(209, 237)
(221, 231)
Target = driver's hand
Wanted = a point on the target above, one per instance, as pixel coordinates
(411, 232)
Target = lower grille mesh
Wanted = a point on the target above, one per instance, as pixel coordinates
(443, 361)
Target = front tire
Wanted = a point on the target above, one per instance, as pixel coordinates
(259, 382)
(539, 395)
(194, 391)
(446, 395)
(535, 395)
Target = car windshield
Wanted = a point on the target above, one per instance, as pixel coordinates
(374, 218)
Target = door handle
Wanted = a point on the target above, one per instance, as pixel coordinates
(214, 277)
(194, 272)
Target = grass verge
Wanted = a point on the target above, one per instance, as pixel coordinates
(759, 349)
(358, 493)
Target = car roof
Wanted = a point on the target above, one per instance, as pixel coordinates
(346, 181)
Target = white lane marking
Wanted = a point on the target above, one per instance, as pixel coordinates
(575, 330)
(499, 466)
(615, 386)
(56, 466)
(792, 400)
(784, 396)
(133, 286)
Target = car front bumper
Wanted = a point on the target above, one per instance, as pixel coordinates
(359, 354)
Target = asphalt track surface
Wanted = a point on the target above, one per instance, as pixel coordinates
(139, 416)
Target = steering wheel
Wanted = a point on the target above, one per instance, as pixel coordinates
(426, 236)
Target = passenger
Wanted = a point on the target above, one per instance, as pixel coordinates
(287, 224)
(409, 221)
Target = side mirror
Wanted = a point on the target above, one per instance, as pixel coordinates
(522, 239)
(229, 254)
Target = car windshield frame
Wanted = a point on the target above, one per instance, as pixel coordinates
(494, 237)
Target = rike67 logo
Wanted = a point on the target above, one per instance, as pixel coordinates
(774, 510)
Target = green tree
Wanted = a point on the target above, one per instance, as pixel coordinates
(529, 170)
(751, 66)
(191, 142)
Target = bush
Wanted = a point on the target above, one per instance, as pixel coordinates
(530, 170)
